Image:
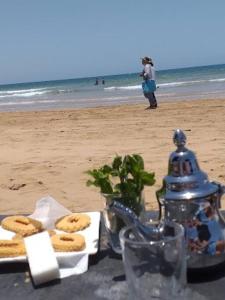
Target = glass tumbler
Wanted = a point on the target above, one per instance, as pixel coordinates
(155, 269)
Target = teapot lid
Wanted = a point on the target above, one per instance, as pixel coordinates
(185, 180)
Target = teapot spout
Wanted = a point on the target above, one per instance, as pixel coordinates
(141, 231)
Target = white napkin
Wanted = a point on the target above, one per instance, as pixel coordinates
(41, 258)
(48, 210)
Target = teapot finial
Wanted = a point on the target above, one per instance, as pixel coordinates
(179, 138)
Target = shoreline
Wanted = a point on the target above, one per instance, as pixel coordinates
(47, 152)
(39, 105)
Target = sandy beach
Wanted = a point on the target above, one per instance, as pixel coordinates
(47, 153)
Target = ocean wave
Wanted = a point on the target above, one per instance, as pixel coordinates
(28, 93)
(129, 87)
(179, 83)
(13, 92)
(36, 92)
(139, 87)
(217, 80)
(166, 84)
(191, 82)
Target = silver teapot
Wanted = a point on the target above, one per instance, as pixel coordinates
(189, 198)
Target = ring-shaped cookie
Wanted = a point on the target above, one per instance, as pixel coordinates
(68, 242)
(11, 248)
(73, 222)
(20, 224)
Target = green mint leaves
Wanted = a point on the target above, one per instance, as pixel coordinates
(125, 177)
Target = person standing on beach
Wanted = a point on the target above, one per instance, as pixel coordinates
(148, 73)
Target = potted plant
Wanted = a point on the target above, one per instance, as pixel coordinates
(124, 180)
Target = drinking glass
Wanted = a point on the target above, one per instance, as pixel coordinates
(155, 269)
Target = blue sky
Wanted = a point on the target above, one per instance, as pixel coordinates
(55, 39)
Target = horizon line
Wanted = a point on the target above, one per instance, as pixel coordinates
(101, 76)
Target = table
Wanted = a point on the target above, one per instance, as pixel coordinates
(105, 279)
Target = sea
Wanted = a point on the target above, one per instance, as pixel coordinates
(183, 84)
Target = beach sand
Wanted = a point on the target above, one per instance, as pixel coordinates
(47, 153)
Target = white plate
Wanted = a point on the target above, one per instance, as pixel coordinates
(91, 235)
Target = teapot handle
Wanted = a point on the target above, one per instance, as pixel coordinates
(221, 191)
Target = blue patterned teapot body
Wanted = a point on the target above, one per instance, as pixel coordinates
(189, 198)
